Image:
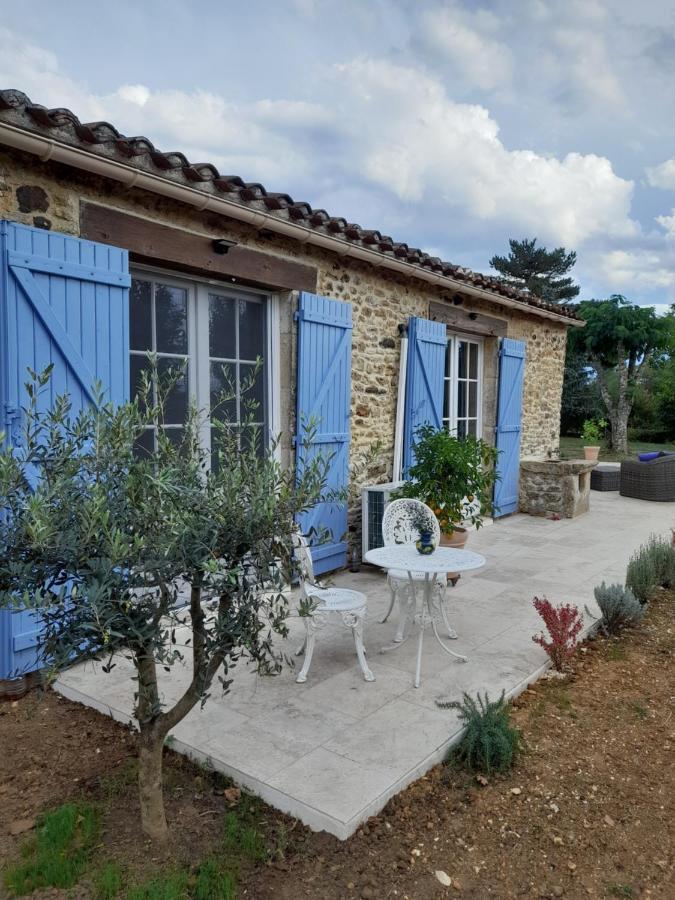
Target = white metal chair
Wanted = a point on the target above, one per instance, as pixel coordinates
(398, 528)
(319, 602)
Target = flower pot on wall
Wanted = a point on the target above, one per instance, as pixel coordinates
(591, 453)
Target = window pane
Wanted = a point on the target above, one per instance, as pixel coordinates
(171, 319)
(175, 435)
(473, 360)
(461, 398)
(461, 363)
(138, 365)
(448, 359)
(140, 315)
(223, 391)
(473, 427)
(173, 387)
(473, 399)
(251, 330)
(145, 444)
(252, 397)
(446, 399)
(222, 337)
(461, 428)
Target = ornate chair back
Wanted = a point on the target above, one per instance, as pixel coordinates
(303, 558)
(397, 522)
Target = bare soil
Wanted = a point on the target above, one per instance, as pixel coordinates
(588, 810)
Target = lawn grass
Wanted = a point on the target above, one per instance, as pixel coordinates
(61, 853)
(58, 854)
(573, 448)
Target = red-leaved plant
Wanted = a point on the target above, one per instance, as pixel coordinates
(563, 624)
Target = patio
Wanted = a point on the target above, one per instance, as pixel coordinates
(334, 750)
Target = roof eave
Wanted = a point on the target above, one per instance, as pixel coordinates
(47, 149)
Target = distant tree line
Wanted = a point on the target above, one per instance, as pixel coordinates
(620, 366)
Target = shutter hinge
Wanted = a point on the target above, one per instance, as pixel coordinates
(12, 419)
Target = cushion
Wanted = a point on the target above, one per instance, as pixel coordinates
(645, 457)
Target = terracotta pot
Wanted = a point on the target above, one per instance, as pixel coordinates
(591, 453)
(457, 541)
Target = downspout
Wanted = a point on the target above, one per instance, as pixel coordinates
(47, 149)
(397, 472)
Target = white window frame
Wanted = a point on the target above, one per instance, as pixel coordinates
(451, 380)
(198, 290)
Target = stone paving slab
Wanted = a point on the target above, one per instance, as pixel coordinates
(333, 751)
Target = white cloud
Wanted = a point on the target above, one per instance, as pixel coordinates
(465, 39)
(416, 142)
(587, 64)
(663, 175)
(668, 223)
(633, 271)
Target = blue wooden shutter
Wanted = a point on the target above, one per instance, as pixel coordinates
(509, 424)
(427, 348)
(63, 301)
(324, 396)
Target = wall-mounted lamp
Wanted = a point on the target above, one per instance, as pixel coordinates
(221, 246)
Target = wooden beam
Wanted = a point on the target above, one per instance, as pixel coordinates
(467, 321)
(151, 242)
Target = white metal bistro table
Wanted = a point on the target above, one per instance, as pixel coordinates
(443, 559)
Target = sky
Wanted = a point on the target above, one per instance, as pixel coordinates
(449, 124)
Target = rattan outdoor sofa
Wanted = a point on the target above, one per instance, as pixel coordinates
(651, 480)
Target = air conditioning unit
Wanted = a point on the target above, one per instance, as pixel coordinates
(374, 500)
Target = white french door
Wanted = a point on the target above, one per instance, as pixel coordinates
(222, 340)
(463, 386)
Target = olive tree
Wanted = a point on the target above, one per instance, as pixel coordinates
(115, 549)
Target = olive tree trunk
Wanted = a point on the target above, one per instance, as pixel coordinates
(154, 724)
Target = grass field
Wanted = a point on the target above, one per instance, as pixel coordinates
(573, 448)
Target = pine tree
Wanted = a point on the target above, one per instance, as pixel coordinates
(539, 271)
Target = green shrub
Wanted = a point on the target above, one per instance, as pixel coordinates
(651, 566)
(490, 742)
(618, 605)
(58, 854)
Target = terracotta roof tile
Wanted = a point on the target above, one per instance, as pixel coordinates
(103, 138)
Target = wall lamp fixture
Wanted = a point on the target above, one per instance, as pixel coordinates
(221, 246)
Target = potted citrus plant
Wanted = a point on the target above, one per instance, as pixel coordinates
(454, 477)
(591, 434)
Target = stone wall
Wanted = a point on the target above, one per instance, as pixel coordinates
(542, 390)
(49, 195)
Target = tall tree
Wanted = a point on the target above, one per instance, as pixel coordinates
(619, 341)
(540, 271)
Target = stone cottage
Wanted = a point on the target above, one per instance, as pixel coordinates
(111, 248)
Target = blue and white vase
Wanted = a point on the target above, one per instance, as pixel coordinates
(425, 545)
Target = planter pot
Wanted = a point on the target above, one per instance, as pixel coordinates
(457, 540)
(591, 453)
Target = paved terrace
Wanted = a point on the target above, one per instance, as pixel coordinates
(334, 750)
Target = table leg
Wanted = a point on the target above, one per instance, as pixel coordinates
(422, 625)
